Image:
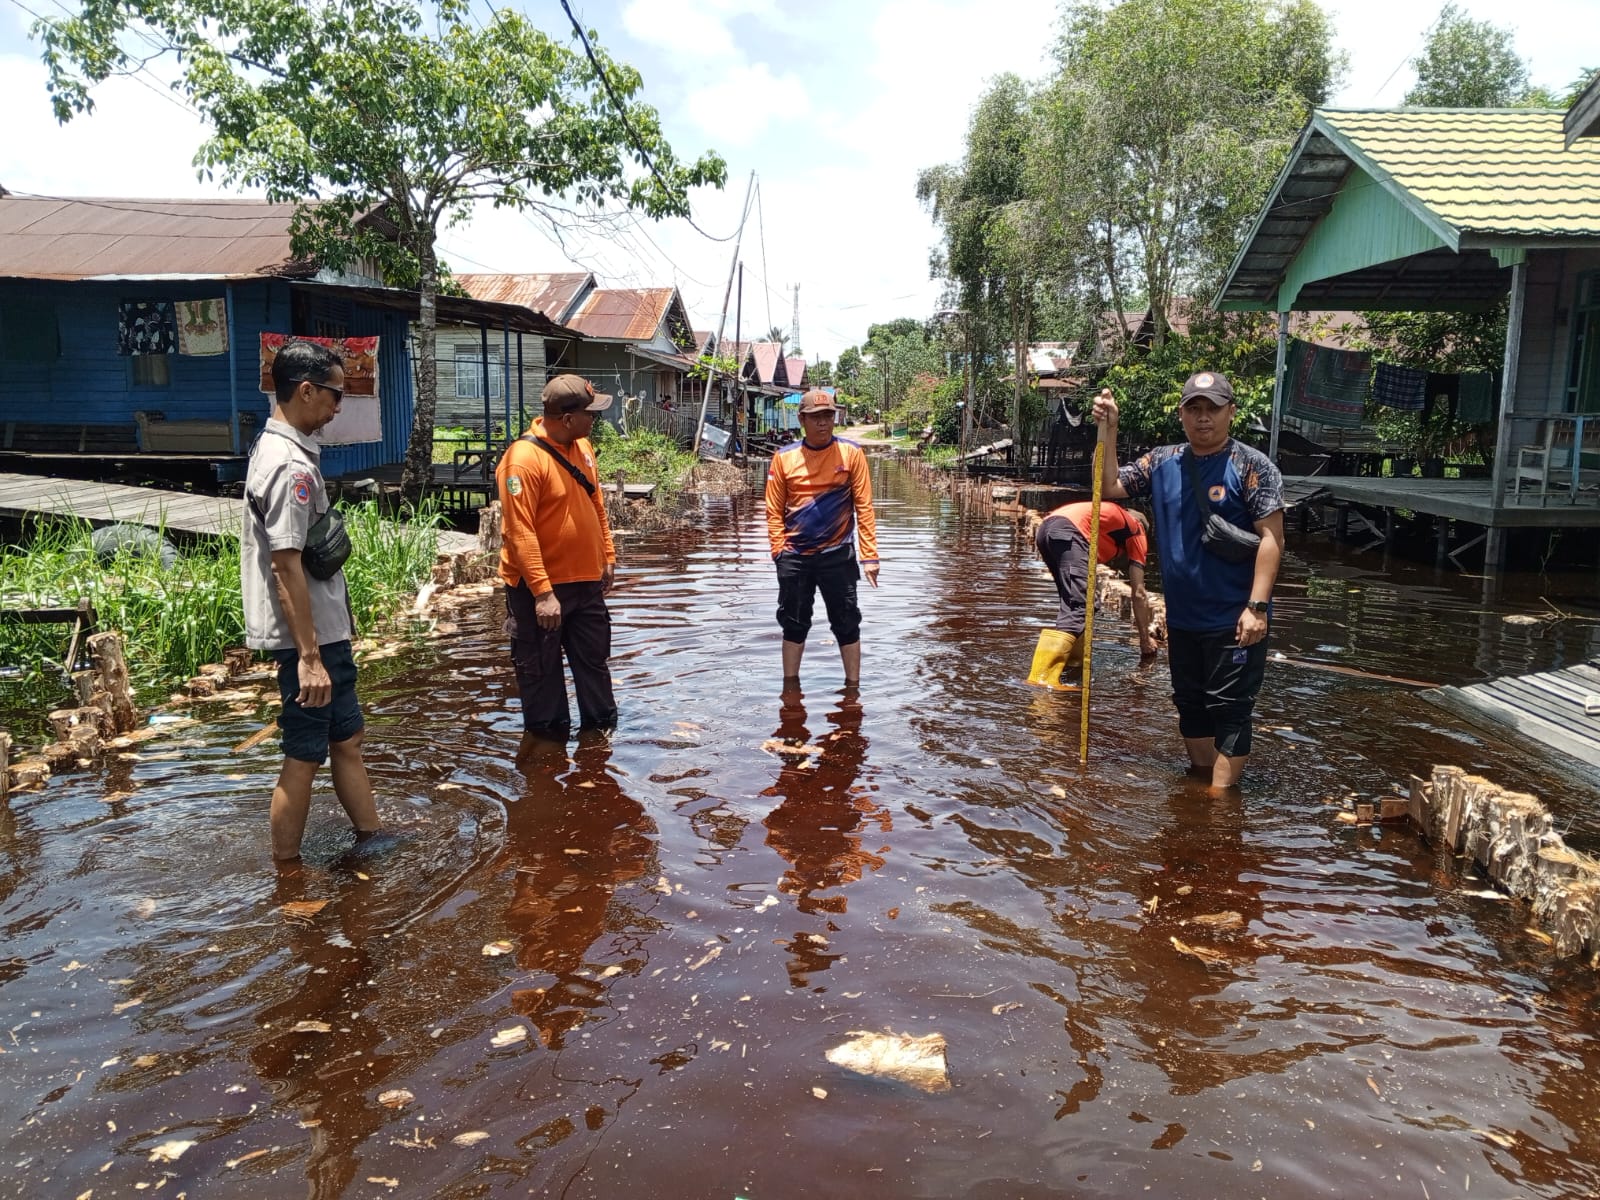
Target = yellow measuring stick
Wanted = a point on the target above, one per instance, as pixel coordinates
(1088, 607)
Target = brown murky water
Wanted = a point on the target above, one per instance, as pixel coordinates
(694, 919)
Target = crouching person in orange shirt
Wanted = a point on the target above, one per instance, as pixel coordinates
(819, 504)
(557, 561)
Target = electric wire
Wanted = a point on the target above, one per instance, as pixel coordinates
(622, 113)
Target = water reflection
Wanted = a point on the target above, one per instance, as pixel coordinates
(824, 821)
(323, 1056)
(572, 837)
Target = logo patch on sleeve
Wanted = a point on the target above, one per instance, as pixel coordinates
(302, 488)
(514, 485)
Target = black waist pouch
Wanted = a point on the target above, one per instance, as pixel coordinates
(327, 546)
(1219, 535)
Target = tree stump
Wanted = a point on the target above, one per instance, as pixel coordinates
(30, 772)
(105, 652)
(489, 528)
(5, 763)
(240, 660)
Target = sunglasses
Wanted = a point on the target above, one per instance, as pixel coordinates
(338, 393)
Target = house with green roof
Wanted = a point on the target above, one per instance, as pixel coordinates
(1454, 210)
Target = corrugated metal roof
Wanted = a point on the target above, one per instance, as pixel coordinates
(1481, 170)
(622, 314)
(764, 356)
(45, 237)
(550, 293)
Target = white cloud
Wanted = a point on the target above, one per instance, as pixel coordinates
(139, 141)
(743, 102)
(696, 29)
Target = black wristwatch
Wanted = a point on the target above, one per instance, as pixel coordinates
(1259, 606)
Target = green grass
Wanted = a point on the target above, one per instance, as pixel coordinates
(643, 456)
(941, 456)
(175, 621)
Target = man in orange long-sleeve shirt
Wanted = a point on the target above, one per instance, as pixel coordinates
(557, 561)
(819, 503)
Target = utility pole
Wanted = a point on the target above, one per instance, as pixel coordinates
(794, 330)
(747, 419)
(722, 321)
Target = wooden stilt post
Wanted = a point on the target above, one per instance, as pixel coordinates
(105, 651)
(5, 763)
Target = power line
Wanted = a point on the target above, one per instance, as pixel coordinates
(622, 112)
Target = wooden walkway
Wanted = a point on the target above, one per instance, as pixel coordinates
(1458, 499)
(118, 504)
(1560, 709)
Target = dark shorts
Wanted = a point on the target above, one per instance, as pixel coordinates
(802, 576)
(1066, 552)
(1214, 685)
(307, 732)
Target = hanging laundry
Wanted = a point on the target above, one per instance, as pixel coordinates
(202, 327)
(147, 327)
(29, 333)
(360, 417)
(359, 355)
(1326, 385)
(1477, 398)
(1403, 388)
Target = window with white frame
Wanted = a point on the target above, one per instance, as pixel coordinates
(469, 374)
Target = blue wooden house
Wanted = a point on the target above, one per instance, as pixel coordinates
(88, 386)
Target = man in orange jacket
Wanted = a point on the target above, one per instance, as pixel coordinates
(557, 561)
(819, 503)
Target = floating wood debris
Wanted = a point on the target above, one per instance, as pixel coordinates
(918, 1061)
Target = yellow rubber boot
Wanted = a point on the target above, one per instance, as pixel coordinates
(1050, 657)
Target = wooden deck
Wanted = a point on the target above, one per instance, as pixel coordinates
(1552, 708)
(1457, 499)
(119, 504)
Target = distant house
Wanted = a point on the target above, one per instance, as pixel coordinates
(113, 308)
(766, 373)
(482, 368)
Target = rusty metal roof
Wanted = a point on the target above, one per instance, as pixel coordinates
(549, 293)
(622, 314)
(46, 237)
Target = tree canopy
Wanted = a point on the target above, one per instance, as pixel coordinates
(1468, 64)
(387, 121)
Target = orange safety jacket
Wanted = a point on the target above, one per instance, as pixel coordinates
(817, 498)
(551, 530)
(1121, 536)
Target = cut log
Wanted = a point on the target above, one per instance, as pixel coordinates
(1511, 836)
(30, 772)
(5, 763)
(105, 652)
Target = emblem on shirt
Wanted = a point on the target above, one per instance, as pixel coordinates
(302, 488)
(1218, 493)
(514, 485)
(588, 462)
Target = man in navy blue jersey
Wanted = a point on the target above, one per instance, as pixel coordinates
(1218, 611)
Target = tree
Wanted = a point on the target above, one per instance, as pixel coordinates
(1468, 64)
(386, 128)
(1165, 124)
(777, 334)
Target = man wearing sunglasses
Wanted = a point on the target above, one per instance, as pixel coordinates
(303, 621)
(1218, 610)
(557, 562)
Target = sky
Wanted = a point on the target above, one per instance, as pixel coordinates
(835, 105)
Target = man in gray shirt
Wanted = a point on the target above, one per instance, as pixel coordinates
(303, 621)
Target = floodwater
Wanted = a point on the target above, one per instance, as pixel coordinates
(694, 916)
